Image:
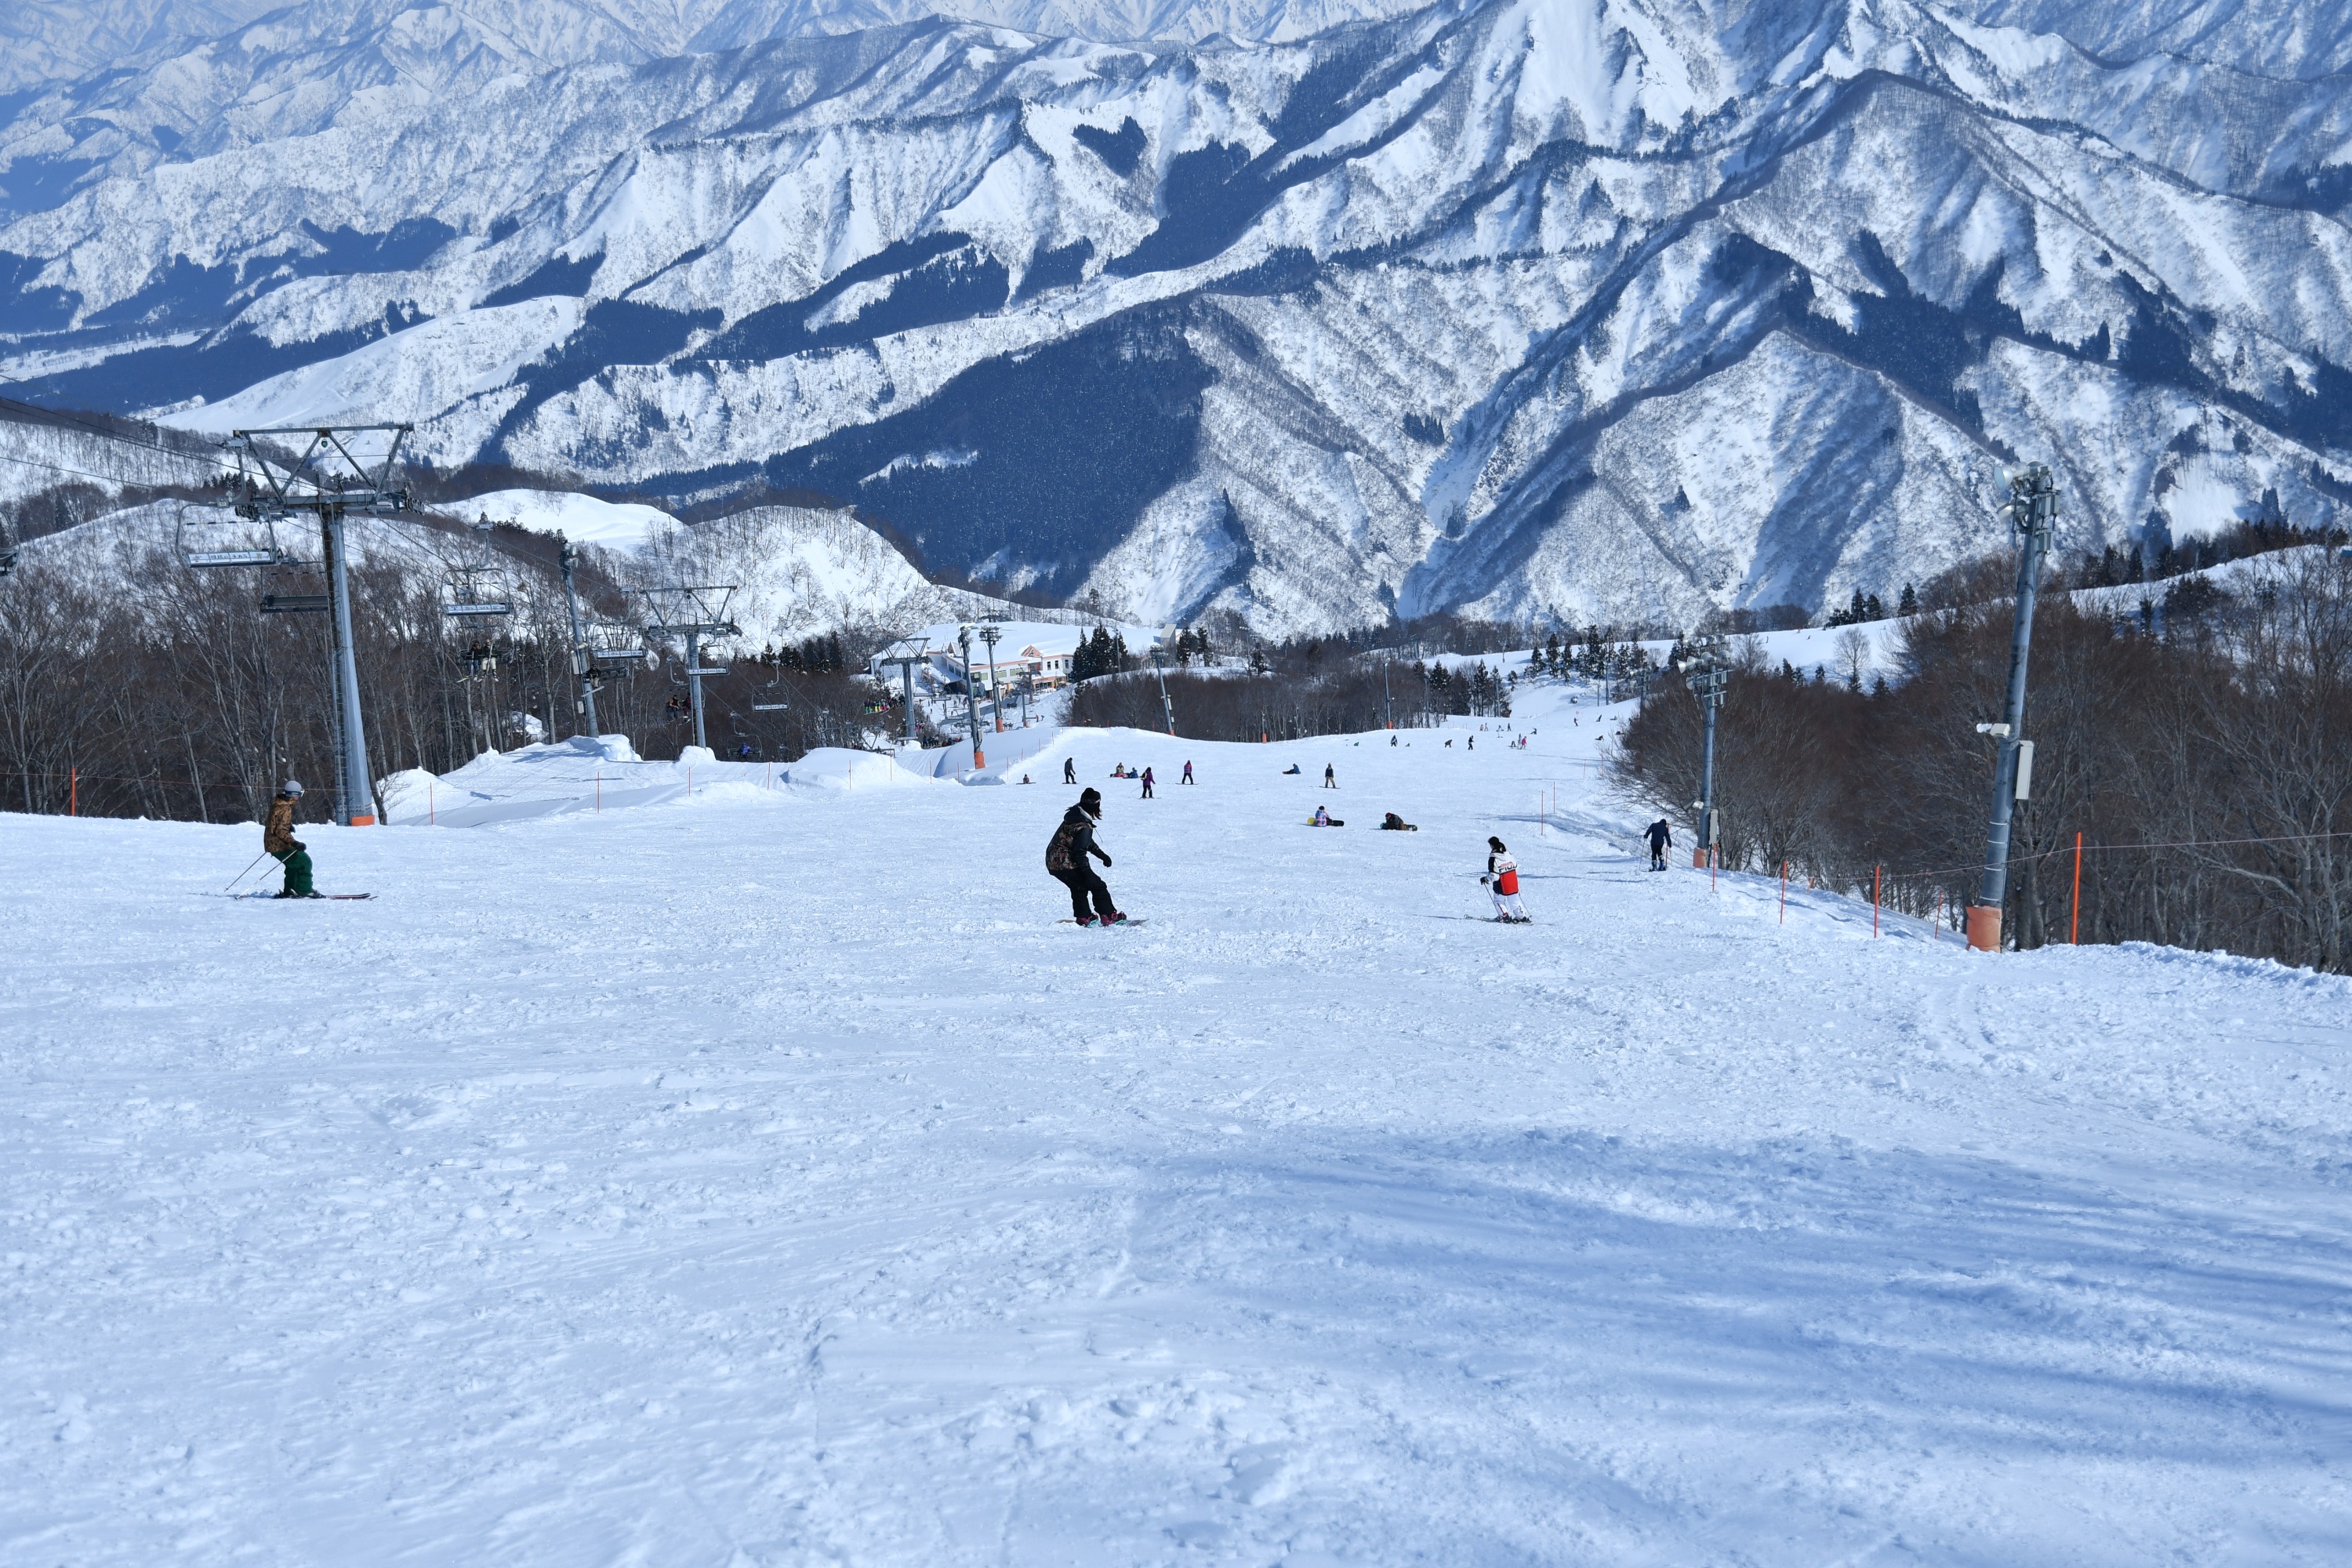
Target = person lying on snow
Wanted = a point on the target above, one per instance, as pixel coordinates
(1392, 823)
(1290, 769)
(1323, 819)
(277, 839)
(1065, 862)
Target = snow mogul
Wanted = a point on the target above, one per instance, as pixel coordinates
(277, 840)
(1066, 861)
(1501, 879)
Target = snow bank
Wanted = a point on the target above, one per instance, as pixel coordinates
(832, 768)
(604, 774)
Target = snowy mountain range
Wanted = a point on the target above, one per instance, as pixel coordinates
(1319, 313)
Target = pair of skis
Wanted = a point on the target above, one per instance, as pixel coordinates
(327, 898)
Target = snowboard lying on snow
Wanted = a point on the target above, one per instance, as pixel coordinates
(1130, 921)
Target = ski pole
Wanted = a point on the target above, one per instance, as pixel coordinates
(241, 876)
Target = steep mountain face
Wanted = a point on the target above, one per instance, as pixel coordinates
(1615, 307)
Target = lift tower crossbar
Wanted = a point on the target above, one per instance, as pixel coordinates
(327, 479)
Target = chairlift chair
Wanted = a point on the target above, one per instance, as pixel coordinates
(615, 650)
(209, 537)
(476, 590)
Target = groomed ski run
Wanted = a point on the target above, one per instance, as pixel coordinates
(763, 1176)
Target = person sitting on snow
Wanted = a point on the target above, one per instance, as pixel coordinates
(1323, 819)
(1392, 823)
(277, 839)
(1290, 769)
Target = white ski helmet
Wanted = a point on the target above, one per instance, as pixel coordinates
(294, 787)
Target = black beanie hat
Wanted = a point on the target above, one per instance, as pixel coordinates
(1090, 797)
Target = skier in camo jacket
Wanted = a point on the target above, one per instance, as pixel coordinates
(277, 839)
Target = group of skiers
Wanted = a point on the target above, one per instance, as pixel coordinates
(1066, 853)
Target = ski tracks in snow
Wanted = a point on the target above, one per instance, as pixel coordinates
(773, 1183)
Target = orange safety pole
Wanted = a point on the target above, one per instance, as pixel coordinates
(73, 792)
(1875, 882)
(2075, 918)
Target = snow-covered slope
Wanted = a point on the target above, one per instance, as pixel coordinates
(1602, 308)
(764, 1176)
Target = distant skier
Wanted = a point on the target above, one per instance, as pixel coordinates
(1066, 861)
(1188, 771)
(1329, 780)
(1147, 781)
(1069, 770)
(277, 839)
(1501, 879)
(1662, 839)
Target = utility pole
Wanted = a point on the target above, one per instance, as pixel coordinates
(1388, 703)
(582, 660)
(1707, 671)
(971, 699)
(2033, 514)
(328, 480)
(692, 611)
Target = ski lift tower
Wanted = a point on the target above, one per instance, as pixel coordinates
(910, 654)
(693, 612)
(584, 656)
(2032, 512)
(1706, 670)
(1167, 709)
(971, 701)
(992, 629)
(328, 479)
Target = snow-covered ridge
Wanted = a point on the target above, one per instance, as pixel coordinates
(1613, 309)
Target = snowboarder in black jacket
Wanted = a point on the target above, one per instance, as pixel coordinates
(1662, 839)
(1066, 861)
